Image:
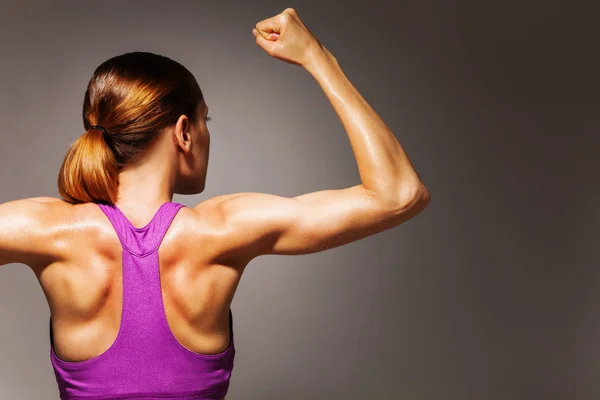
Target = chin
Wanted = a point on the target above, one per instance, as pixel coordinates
(200, 189)
(193, 187)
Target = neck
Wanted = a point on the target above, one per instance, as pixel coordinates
(148, 184)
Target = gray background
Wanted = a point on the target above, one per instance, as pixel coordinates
(491, 293)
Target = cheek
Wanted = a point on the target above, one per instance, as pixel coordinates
(206, 144)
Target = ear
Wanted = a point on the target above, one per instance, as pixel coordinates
(182, 133)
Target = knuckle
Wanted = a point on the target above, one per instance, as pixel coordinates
(274, 50)
(284, 17)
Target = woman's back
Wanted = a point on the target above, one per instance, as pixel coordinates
(84, 290)
(133, 298)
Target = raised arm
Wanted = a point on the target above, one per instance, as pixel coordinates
(390, 193)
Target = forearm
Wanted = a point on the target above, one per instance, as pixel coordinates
(383, 165)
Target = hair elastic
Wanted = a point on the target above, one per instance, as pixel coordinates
(101, 128)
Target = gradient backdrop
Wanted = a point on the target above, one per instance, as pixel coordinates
(490, 294)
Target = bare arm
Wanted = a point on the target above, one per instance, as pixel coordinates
(390, 193)
(383, 165)
(26, 234)
(260, 223)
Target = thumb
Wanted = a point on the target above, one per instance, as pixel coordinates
(262, 41)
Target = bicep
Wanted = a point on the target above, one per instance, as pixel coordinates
(23, 231)
(261, 223)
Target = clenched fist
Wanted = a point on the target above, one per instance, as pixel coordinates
(284, 36)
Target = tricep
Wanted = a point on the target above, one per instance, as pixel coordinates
(260, 223)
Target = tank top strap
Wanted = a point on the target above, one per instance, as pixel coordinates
(145, 240)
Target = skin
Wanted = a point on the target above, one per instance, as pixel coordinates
(75, 254)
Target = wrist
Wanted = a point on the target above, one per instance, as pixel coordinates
(317, 56)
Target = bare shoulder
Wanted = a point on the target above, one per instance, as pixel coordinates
(218, 214)
(49, 200)
(40, 211)
(29, 229)
(217, 210)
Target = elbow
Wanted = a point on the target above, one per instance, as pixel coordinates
(414, 195)
(424, 197)
(414, 198)
(410, 197)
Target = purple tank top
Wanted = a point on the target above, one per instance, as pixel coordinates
(145, 362)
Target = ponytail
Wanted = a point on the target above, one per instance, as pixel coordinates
(89, 172)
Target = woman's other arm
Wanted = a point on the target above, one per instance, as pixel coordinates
(26, 232)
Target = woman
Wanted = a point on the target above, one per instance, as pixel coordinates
(139, 287)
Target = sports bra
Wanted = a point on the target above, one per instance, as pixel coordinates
(145, 362)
